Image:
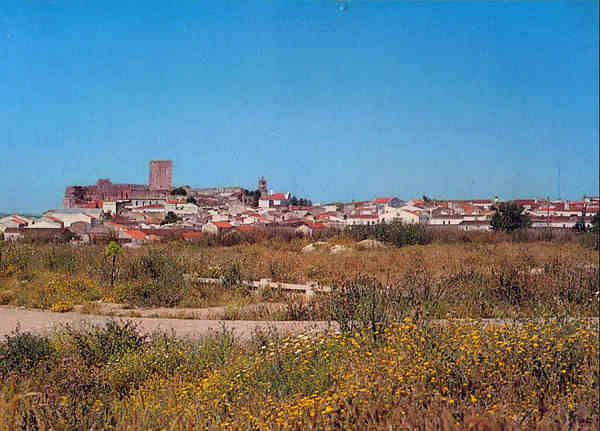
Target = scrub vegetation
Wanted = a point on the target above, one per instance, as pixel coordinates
(404, 356)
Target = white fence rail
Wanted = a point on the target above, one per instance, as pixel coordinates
(309, 289)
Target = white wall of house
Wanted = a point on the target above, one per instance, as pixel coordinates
(7, 222)
(13, 236)
(43, 223)
(182, 209)
(303, 230)
(351, 221)
(134, 203)
(109, 207)
(475, 227)
(445, 221)
(210, 228)
(69, 219)
(389, 214)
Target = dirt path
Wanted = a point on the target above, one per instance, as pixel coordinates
(41, 321)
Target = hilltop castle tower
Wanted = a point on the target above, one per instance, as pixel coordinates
(262, 187)
(161, 174)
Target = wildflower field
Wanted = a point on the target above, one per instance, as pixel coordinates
(527, 375)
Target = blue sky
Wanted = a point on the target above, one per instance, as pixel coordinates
(449, 99)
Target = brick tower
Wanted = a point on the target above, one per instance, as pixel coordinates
(262, 187)
(161, 174)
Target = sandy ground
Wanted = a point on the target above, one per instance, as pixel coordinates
(40, 321)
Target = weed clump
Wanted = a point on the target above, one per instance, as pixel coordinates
(22, 351)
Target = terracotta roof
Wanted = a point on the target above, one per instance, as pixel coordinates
(369, 216)
(314, 225)
(222, 224)
(19, 221)
(136, 234)
(192, 235)
(523, 202)
(275, 197)
(249, 228)
(382, 200)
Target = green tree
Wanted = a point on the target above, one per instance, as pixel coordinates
(252, 197)
(509, 217)
(596, 223)
(179, 191)
(171, 217)
(112, 250)
(191, 200)
(580, 225)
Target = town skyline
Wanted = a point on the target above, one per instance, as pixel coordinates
(453, 100)
(251, 188)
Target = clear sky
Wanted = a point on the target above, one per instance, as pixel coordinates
(466, 99)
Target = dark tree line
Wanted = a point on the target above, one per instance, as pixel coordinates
(300, 202)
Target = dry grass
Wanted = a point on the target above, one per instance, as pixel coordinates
(476, 279)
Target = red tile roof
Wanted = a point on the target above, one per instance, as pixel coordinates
(275, 197)
(222, 224)
(369, 216)
(249, 228)
(19, 221)
(314, 225)
(136, 234)
(193, 235)
(382, 200)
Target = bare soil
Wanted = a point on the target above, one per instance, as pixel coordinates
(42, 321)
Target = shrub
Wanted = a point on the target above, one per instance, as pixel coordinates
(61, 306)
(232, 277)
(590, 240)
(362, 303)
(23, 351)
(59, 258)
(395, 233)
(156, 279)
(97, 344)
